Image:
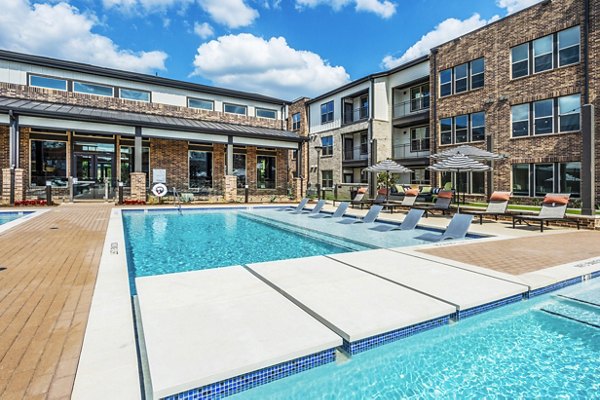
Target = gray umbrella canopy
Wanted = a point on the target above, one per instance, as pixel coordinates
(388, 166)
(469, 151)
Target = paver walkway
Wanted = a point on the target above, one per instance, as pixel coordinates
(46, 289)
(526, 254)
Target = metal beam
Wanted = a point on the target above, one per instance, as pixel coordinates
(13, 139)
(137, 152)
(588, 161)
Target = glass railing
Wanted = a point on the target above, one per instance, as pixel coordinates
(358, 114)
(411, 106)
(416, 149)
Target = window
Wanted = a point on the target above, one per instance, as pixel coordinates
(239, 169)
(327, 143)
(520, 60)
(419, 98)
(520, 120)
(201, 104)
(461, 75)
(48, 163)
(91, 88)
(569, 109)
(47, 82)
(234, 109)
(265, 172)
(419, 139)
(327, 112)
(477, 73)
(200, 168)
(132, 94)
(543, 117)
(327, 179)
(446, 131)
(364, 143)
(296, 118)
(478, 126)
(265, 113)
(539, 179)
(127, 157)
(542, 54)
(363, 112)
(477, 182)
(420, 176)
(446, 82)
(543, 175)
(520, 186)
(568, 46)
(461, 128)
(570, 178)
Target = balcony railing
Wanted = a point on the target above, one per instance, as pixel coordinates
(411, 106)
(417, 149)
(358, 114)
(351, 155)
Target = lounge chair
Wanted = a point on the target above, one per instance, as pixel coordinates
(367, 219)
(442, 203)
(339, 212)
(379, 199)
(554, 208)
(410, 222)
(497, 206)
(358, 200)
(457, 229)
(299, 207)
(410, 197)
(315, 210)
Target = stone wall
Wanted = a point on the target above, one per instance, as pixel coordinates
(299, 106)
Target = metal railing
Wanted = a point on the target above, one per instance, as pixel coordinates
(416, 149)
(358, 114)
(411, 106)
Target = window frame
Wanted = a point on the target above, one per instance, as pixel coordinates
(534, 56)
(258, 109)
(326, 114)
(235, 105)
(66, 81)
(120, 91)
(327, 150)
(296, 124)
(257, 178)
(560, 115)
(67, 158)
(190, 99)
(112, 88)
(329, 180)
(450, 132)
(558, 48)
(212, 166)
(465, 78)
(472, 126)
(528, 120)
(552, 117)
(471, 74)
(527, 59)
(450, 82)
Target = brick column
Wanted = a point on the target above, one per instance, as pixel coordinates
(5, 186)
(230, 185)
(20, 184)
(138, 185)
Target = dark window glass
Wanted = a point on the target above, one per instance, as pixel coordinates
(544, 179)
(296, 121)
(569, 109)
(568, 46)
(127, 156)
(478, 126)
(446, 82)
(520, 120)
(264, 113)
(477, 182)
(460, 78)
(132, 94)
(543, 112)
(234, 109)
(327, 112)
(570, 178)
(461, 124)
(200, 169)
(419, 98)
(90, 88)
(477, 73)
(446, 131)
(48, 83)
(239, 169)
(327, 179)
(265, 172)
(327, 143)
(542, 54)
(419, 139)
(521, 179)
(201, 104)
(48, 163)
(520, 60)
(364, 144)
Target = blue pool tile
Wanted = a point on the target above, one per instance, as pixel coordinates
(487, 307)
(555, 286)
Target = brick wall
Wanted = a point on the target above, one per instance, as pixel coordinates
(218, 172)
(171, 155)
(4, 150)
(299, 106)
(594, 72)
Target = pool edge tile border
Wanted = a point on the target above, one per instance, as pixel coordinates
(470, 312)
(30, 214)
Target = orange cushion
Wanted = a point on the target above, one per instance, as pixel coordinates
(556, 199)
(411, 192)
(362, 190)
(444, 194)
(500, 196)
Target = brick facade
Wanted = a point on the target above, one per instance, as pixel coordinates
(171, 155)
(299, 106)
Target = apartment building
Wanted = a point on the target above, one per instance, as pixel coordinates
(83, 130)
(376, 117)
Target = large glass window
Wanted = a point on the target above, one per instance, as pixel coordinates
(327, 179)
(477, 126)
(461, 73)
(461, 125)
(48, 163)
(132, 94)
(477, 182)
(327, 143)
(201, 165)
(419, 139)
(296, 120)
(364, 143)
(542, 54)
(543, 112)
(91, 88)
(201, 104)
(265, 172)
(544, 179)
(520, 179)
(127, 157)
(569, 109)
(239, 169)
(266, 113)
(477, 73)
(568, 46)
(47, 82)
(520, 60)
(520, 120)
(234, 109)
(570, 178)
(327, 112)
(446, 82)
(446, 131)
(419, 97)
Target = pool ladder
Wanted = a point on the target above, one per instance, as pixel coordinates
(177, 198)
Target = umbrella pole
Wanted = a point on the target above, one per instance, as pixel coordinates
(387, 187)
(458, 188)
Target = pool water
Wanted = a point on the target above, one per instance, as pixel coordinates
(517, 351)
(11, 216)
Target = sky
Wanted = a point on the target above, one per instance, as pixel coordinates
(281, 48)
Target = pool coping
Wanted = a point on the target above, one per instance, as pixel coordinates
(30, 214)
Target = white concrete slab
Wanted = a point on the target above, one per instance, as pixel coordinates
(559, 273)
(462, 288)
(354, 304)
(205, 326)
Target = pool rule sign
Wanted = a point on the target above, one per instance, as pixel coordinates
(159, 178)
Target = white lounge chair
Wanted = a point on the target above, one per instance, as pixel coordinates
(315, 210)
(339, 212)
(299, 207)
(410, 222)
(457, 229)
(554, 208)
(367, 219)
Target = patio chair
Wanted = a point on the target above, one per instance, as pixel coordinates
(497, 205)
(299, 207)
(457, 229)
(358, 200)
(410, 222)
(367, 219)
(379, 199)
(315, 210)
(554, 208)
(442, 203)
(339, 212)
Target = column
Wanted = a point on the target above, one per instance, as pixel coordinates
(588, 161)
(137, 151)
(230, 185)
(229, 159)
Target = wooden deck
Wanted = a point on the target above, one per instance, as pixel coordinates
(48, 269)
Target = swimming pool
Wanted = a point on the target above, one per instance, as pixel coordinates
(6, 217)
(517, 351)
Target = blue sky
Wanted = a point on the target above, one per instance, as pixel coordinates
(283, 48)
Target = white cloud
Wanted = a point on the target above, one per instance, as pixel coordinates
(513, 6)
(204, 30)
(382, 8)
(445, 31)
(272, 67)
(60, 30)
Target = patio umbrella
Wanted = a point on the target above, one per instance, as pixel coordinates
(387, 166)
(458, 163)
(469, 151)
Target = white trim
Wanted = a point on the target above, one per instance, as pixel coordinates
(4, 119)
(78, 126)
(264, 142)
(194, 136)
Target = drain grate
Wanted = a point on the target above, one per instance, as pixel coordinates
(2, 269)
(53, 227)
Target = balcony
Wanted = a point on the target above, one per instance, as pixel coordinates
(356, 115)
(419, 148)
(412, 107)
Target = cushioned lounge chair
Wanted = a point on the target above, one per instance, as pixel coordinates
(410, 222)
(442, 203)
(339, 212)
(358, 200)
(367, 219)
(554, 208)
(457, 229)
(299, 207)
(497, 206)
(315, 210)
